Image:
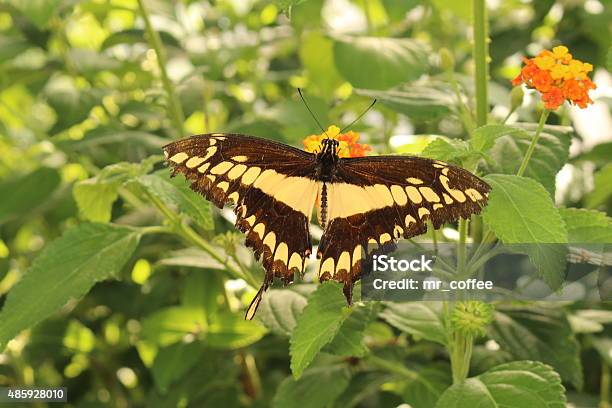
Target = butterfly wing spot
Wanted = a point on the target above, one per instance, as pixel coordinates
(397, 231)
(211, 178)
(385, 238)
(250, 176)
(409, 220)
(224, 186)
(260, 229)
(414, 180)
(456, 194)
(202, 169)
(212, 141)
(234, 197)
(344, 262)
(438, 166)
(399, 195)
(357, 254)
(251, 220)
(473, 194)
(240, 159)
(179, 157)
(237, 171)
(222, 167)
(447, 199)
(210, 152)
(193, 162)
(437, 206)
(445, 171)
(429, 194)
(326, 270)
(295, 261)
(423, 212)
(270, 241)
(282, 253)
(413, 195)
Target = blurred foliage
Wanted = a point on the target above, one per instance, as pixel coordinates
(127, 288)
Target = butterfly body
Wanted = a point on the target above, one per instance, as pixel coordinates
(365, 204)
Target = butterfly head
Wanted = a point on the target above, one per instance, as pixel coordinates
(329, 148)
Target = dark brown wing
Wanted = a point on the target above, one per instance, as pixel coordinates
(374, 201)
(268, 183)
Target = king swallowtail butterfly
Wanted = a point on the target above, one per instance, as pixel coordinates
(364, 203)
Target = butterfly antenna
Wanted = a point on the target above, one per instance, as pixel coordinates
(311, 113)
(359, 117)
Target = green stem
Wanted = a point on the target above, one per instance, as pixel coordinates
(534, 142)
(174, 105)
(480, 53)
(460, 348)
(191, 236)
(605, 385)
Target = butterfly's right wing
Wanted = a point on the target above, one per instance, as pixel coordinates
(270, 185)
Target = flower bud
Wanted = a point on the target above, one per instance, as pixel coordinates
(447, 61)
(516, 97)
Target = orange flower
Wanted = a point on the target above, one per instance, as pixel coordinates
(349, 146)
(558, 77)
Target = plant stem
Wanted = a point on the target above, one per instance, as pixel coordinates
(460, 348)
(480, 53)
(604, 393)
(174, 105)
(534, 142)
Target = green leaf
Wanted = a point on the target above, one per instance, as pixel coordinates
(604, 348)
(549, 156)
(427, 387)
(231, 331)
(66, 269)
(521, 211)
(90, 62)
(38, 12)
(603, 188)
(363, 384)
(348, 340)
(10, 47)
(71, 104)
(453, 151)
(317, 325)
(318, 387)
(420, 319)
(172, 362)
(587, 226)
(485, 137)
(137, 35)
(378, 62)
(539, 333)
(176, 192)
(172, 324)
(280, 308)
(95, 196)
(23, 194)
(461, 9)
(422, 102)
(513, 385)
(317, 56)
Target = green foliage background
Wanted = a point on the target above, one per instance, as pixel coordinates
(124, 286)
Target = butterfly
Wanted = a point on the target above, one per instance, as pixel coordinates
(364, 204)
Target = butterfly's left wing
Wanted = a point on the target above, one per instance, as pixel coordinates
(374, 201)
(268, 183)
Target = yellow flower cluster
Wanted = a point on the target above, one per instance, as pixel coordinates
(349, 146)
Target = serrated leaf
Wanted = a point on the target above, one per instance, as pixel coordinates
(66, 269)
(176, 192)
(317, 325)
(520, 211)
(423, 102)
(172, 362)
(538, 333)
(280, 309)
(586, 226)
(513, 385)
(420, 319)
(603, 188)
(95, 200)
(485, 137)
(318, 387)
(348, 340)
(550, 155)
(379, 62)
(23, 194)
(450, 150)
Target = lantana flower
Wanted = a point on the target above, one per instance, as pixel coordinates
(558, 77)
(349, 146)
